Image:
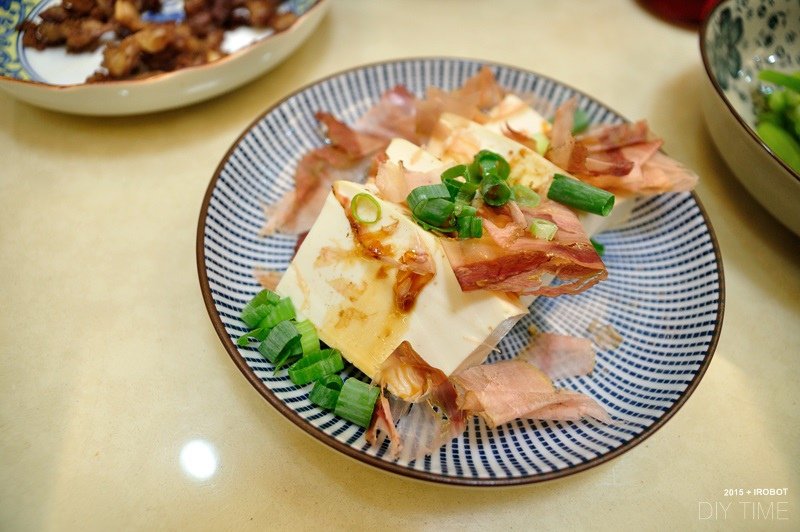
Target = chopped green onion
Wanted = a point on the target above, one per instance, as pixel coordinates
(457, 181)
(257, 335)
(469, 227)
(600, 248)
(315, 366)
(490, 162)
(438, 212)
(542, 143)
(255, 309)
(466, 193)
(543, 229)
(365, 202)
(580, 195)
(309, 340)
(326, 391)
(780, 79)
(356, 402)
(453, 186)
(281, 311)
(494, 190)
(580, 121)
(454, 173)
(280, 343)
(464, 210)
(426, 192)
(525, 196)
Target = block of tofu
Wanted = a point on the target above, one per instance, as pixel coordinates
(350, 297)
(413, 157)
(456, 139)
(514, 113)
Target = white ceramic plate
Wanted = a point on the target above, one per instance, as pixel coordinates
(664, 294)
(53, 79)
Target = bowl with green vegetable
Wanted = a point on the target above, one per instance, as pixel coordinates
(751, 101)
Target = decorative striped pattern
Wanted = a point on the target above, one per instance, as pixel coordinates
(663, 295)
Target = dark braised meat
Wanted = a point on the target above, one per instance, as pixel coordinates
(135, 48)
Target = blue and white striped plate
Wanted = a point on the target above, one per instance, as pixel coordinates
(664, 294)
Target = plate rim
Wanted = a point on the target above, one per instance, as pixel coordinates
(393, 467)
(162, 76)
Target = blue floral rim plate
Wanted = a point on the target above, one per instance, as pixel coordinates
(55, 66)
(664, 295)
(55, 79)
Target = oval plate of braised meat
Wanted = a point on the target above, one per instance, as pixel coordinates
(123, 57)
(313, 202)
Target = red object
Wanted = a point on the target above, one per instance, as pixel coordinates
(687, 12)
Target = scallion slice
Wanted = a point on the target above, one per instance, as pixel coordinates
(281, 311)
(469, 227)
(464, 210)
(542, 143)
(494, 190)
(525, 196)
(600, 248)
(309, 340)
(460, 188)
(580, 121)
(438, 212)
(356, 402)
(257, 335)
(326, 391)
(459, 170)
(315, 366)
(466, 193)
(279, 344)
(255, 309)
(580, 195)
(426, 192)
(490, 162)
(365, 208)
(543, 229)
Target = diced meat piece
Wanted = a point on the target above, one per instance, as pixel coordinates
(85, 34)
(282, 21)
(55, 13)
(126, 14)
(121, 59)
(77, 8)
(153, 38)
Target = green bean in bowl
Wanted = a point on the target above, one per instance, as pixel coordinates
(751, 57)
(778, 115)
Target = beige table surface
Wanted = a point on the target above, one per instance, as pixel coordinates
(109, 364)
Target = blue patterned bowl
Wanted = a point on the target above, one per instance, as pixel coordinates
(738, 39)
(54, 79)
(664, 295)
